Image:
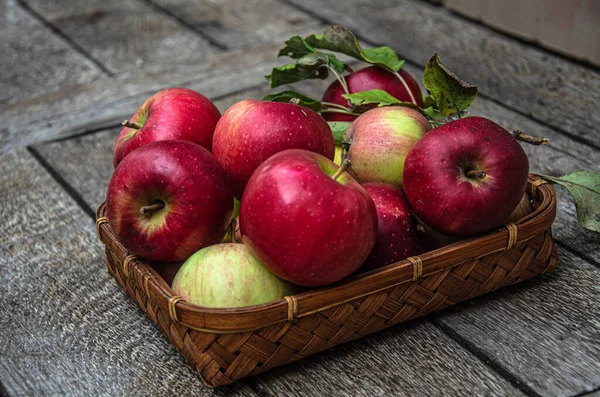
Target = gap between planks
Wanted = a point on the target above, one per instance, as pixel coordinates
(54, 29)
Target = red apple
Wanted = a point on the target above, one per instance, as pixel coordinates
(380, 140)
(396, 236)
(228, 275)
(372, 78)
(251, 131)
(304, 225)
(465, 177)
(168, 199)
(173, 113)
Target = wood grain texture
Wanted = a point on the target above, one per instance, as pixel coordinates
(544, 331)
(124, 35)
(241, 24)
(88, 106)
(67, 327)
(431, 364)
(37, 62)
(541, 85)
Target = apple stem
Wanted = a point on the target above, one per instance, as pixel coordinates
(533, 140)
(334, 105)
(340, 78)
(348, 68)
(129, 124)
(152, 208)
(343, 167)
(407, 88)
(476, 174)
(340, 111)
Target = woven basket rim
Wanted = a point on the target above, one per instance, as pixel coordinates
(249, 318)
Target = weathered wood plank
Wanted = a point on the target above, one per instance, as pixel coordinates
(415, 359)
(85, 107)
(68, 328)
(543, 331)
(37, 62)
(544, 86)
(236, 24)
(124, 35)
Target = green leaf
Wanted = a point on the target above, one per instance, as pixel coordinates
(379, 97)
(302, 100)
(451, 94)
(338, 38)
(293, 72)
(339, 130)
(296, 47)
(584, 187)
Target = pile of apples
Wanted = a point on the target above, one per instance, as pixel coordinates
(182, 170)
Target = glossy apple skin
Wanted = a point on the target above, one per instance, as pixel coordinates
(441, 194)
(303, 225)
(251, 131)
(228, 275)
(171, 114)
(195, 189)
(371, 78)
(380, 140)
(396, 233)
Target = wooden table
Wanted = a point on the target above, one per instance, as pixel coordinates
(72, 70)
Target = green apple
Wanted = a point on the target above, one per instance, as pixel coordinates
(228, 275)
(379, 141)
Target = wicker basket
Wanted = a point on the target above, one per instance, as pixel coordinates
(224, 345)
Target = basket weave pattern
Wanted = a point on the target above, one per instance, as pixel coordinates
(224, 345)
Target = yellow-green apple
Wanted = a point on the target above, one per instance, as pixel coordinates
(380, 140)
(372, 78)
(228, 275)
(251, 131)
(173, 113)
(396, 236)
(465, 177)
(168, 199)
(306, 222)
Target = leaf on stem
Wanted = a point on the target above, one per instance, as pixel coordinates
(451, 95)
(338, 38)
(338, 128)
(301, 99)
(584, 187)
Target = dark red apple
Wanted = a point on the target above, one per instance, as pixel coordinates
(396, 234)
(173, 113)
(372, 78)
(168, 199)
(303, 224)
(465, 177)
(251, 131)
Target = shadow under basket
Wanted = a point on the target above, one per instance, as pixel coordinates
(224, 345)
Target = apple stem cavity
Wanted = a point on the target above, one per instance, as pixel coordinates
(407, 88)
(343, 167)
(149, 210)
(129, 124)
(533, 140)
(476, 174)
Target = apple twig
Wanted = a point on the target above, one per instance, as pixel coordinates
(533, 140)
(343, 167)
(129, 124)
